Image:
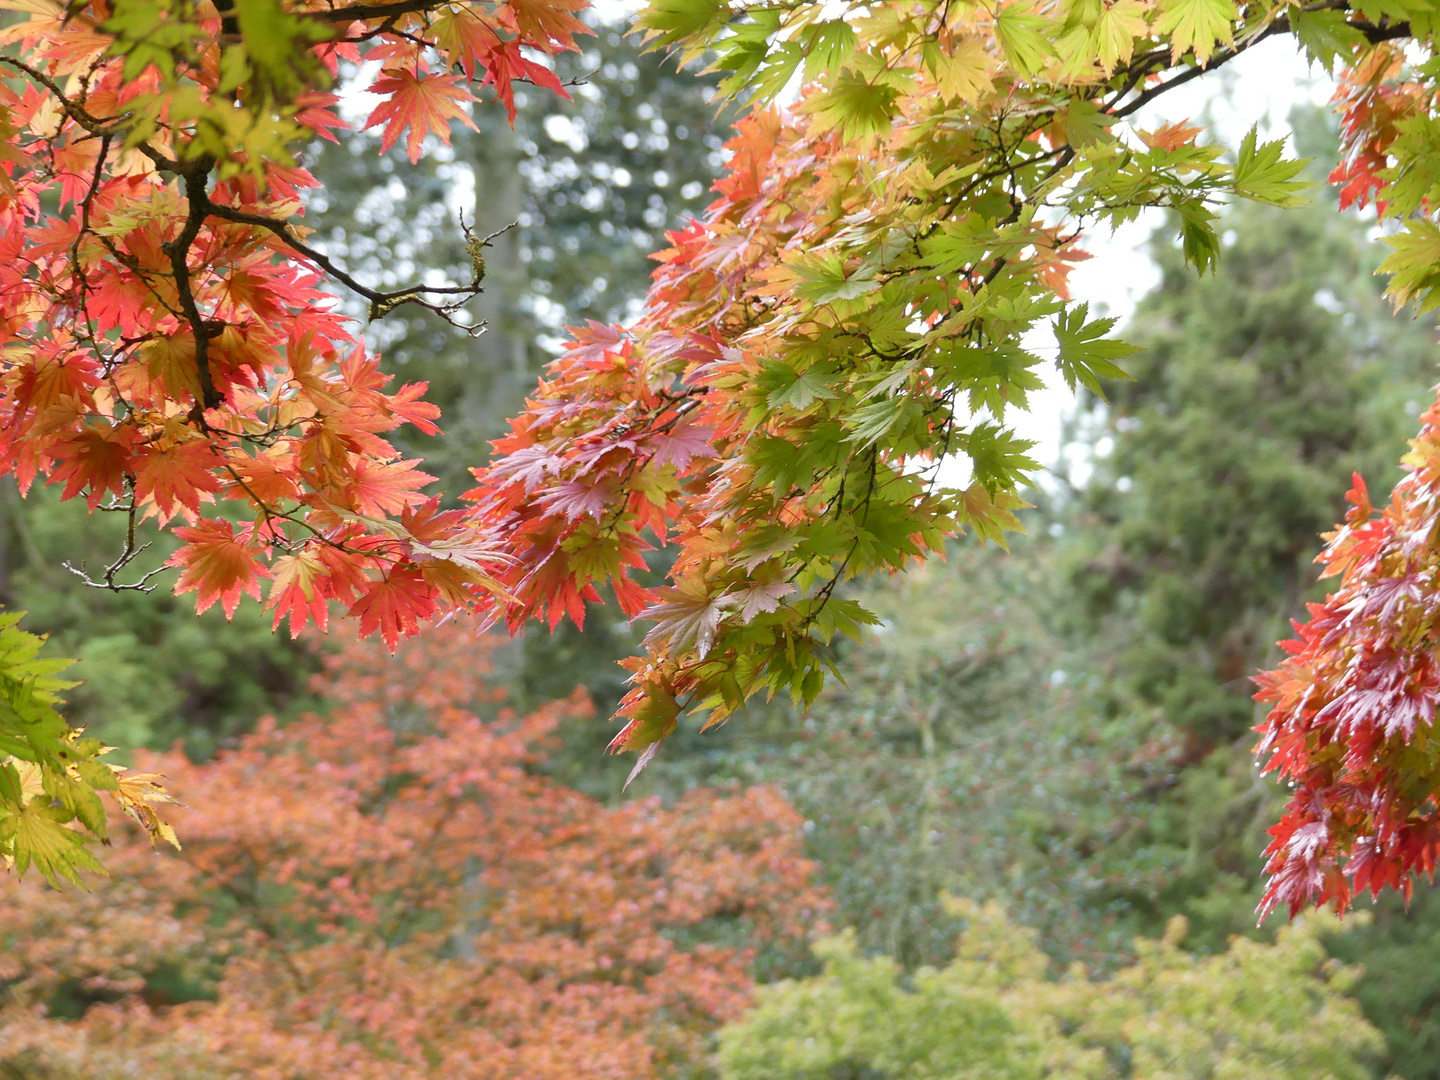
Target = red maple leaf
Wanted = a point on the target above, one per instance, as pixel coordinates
(395, 604)
(420, 102)
(506, 64)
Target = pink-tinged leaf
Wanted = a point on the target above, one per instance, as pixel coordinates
(684, 619)
(591, 342)
(679, 445)
(575, 499)
(419, 103)
(761, 596)
(528, 466)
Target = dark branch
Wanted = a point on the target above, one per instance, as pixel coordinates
(195, 176)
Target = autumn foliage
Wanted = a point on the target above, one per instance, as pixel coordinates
(395, 891)
(166, 339)
(857, 304)
(1351, 727)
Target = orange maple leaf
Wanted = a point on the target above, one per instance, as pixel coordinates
(386, 487)
(299, 591)
(548, 24)
(217, 564)
(394, 605)
(419, 102)
(92, 462)
(179, 474)
(1170, 137)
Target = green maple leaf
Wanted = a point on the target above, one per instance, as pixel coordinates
(277, 64)
(1022, 37)
(1263, 174)
(35, 834)
(1325, 35)
(1414, 265)
(1196, 26)
(827, 45)
(667, 21)
(856, 104)
(797, 389)
(1086, 355)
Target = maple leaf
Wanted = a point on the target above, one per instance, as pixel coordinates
(217, 564)
(467, 36)
(298, 592)
(138, 795)
(379, 488)
(686, 617)
(548, 24)
(506, 64)
(93, 462)
(763, 595)
(420, 104)
(56, 850)
(680, 444)
(651, 719)
(179, 474)
(315, 113)
(1196, 26)
(1117, 28)
(394, 604)
(1172, 136)
(576, 499)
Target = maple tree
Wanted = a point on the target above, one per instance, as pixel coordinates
(851, 308)
(394, 891)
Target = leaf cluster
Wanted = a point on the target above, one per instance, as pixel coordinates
(51, 776)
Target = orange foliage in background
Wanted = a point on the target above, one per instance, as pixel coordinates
(394, 891)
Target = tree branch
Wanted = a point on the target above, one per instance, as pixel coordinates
(195, 176)
(380, 301)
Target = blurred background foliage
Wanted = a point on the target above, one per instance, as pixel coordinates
(1261, 1011)
(1062, 729)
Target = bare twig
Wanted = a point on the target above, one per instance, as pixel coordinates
(131, 552)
